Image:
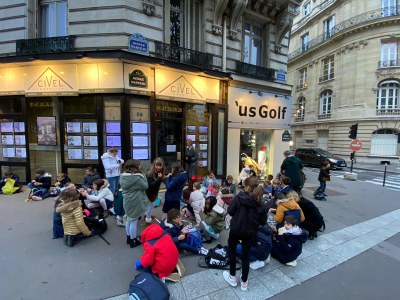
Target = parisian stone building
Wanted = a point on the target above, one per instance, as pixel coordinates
(345, 70)
(78, 77)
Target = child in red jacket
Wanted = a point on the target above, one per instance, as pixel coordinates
(160, 254)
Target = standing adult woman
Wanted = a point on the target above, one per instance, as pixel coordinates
(134, 186)
(154, 178)
(248, 214)
(174, 183)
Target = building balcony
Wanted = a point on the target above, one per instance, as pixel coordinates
(254, 71)
(45, 45)
(324, 116)
(389, 63)
(388, 111)
(356, 21)
(299, 119)
(326, 77)
(183, 55)
(301, 86)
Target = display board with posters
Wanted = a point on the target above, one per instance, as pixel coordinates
(12, 140)
(81, 140)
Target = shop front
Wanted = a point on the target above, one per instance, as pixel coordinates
(63, 116)
(256, 122)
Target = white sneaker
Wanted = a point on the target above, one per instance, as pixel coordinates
(243, 285)
(203, 251)
(268, 259)
(120, 223)
(257, 264)
(36, 198)
(148, 221)
(111, 210)
(292, 263)
(229, 279)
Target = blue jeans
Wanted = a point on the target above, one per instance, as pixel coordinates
(113, 181)
(31, 185)
(321, 189)
(181, 245)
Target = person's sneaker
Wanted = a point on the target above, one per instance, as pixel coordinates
(292, 263)
(111, 210)
(257, 264)
(243, 285)
(230, 279)
(268, 259)
(120, 223)
(203, 251)
(36, 198)
(174, 277)
(148, 221)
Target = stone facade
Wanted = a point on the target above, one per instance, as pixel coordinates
(354, 42)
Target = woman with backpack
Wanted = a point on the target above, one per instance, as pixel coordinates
(248, 214)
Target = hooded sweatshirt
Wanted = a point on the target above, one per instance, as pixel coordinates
(247, 214)
(104, 192)
(111, 165)
(160, 252)
(72, 218)
(134, 186)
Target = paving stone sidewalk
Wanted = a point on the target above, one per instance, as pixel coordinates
(319, 255)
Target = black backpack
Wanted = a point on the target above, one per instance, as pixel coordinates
(217, 258)
(99, 226)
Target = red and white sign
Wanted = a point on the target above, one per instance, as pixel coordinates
(355, 145)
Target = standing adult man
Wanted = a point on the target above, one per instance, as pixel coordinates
(292, 168)
(112, 163)
(190, 158)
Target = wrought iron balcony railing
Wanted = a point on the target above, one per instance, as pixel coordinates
(324, 116)
(349, 23)
(326, 77)
(254, 71)
(388, 111)
(389, 63)
(46, 45)
(183, 55)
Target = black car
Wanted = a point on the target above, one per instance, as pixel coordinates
(316, 156)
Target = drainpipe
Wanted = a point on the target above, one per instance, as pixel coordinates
(224, 43)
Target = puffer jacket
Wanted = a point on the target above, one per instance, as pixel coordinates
(104, 192)
(286, 205)
(160, 252)
(72, 218)
(262, 245)
(175, 185)
(288, 246)
(215, 218)
(134, 186)
(111, 165)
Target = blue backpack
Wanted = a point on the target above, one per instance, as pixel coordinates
(147, 286)
(193, 237)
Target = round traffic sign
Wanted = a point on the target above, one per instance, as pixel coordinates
(355, 145)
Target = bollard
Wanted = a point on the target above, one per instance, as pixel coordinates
(384, 175)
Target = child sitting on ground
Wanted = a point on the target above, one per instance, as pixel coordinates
(228, 183)
(9, 184)
(160, 255)
(260, 250)
(89, 178)
(288, 204)
(62, 180)
(288, 242)
(42, 181)
(72, 216)
(215, 191)
(173, 227)
(103, 198)
(212, 219)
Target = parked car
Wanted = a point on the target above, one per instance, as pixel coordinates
(315, 157)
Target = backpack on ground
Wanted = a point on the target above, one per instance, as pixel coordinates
(193, 237)
(36, 192)
(99, 226)
(147, 286)
(217, 258)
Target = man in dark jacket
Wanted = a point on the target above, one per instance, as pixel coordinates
(190, 158)
(292, 168)
(288, 243)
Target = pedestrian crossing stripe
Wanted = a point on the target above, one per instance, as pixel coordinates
(380, 182)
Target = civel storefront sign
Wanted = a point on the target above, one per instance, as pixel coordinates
(184, 87)
(254, 109)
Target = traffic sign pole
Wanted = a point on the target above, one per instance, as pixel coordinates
(352, 160)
